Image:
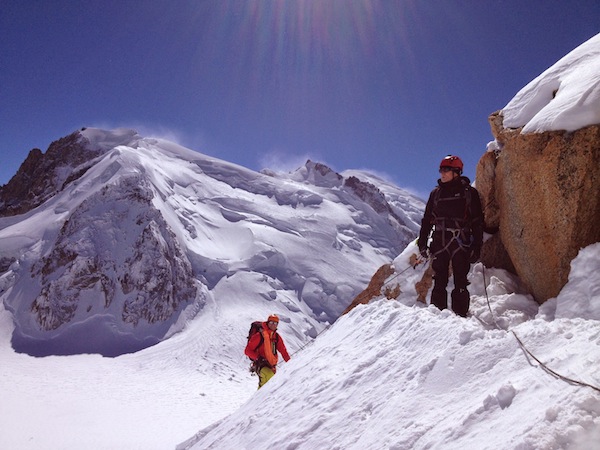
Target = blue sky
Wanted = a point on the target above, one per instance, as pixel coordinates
(387, 85)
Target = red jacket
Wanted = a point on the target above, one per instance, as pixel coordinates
(272, 343)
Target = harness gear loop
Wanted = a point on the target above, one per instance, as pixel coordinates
(456, 234)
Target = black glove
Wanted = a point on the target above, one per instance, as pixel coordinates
(474, 254)
(254, 367)
(257, 364)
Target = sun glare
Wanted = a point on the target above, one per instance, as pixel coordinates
(304, 39)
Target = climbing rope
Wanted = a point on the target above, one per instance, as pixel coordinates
(527, 351)
(387, 282)
(410, 266)
(312, 340)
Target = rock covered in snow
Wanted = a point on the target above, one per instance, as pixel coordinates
(319, 175)
(43, 175)
(115, 264)
(564, 97)
(540, 184)
(546, 193)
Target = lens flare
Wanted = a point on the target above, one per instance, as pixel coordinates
(299, 49)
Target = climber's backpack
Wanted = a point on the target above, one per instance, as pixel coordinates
(256, 327)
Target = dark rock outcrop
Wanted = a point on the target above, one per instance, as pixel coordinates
(370, 194)
(41, 175)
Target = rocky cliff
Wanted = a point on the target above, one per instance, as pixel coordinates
(539, 180)
(542, 191)
(42, 175)
(114, 248)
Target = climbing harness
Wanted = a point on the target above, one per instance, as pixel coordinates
(456, 236)
(456, 227)
(526, 351)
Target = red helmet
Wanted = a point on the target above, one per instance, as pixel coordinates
(453, 162)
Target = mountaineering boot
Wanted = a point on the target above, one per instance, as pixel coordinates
(439, 298)
(460, 301)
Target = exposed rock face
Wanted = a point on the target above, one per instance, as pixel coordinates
(144, 272)
(321, 175)
(424, 285)
(5, 263)
(543, 192)
(372, 195)
(373, 290)
(493, 253)
(43, 175)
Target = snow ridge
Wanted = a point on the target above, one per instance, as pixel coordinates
(392, 374)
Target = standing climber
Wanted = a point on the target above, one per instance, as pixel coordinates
(263, 345)
(454, 213)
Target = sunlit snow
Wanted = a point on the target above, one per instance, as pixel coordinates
(390, 375)
(564, 97)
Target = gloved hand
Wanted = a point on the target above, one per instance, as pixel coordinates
(475, 254)
(253, 367)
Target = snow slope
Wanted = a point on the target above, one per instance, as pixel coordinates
(151, 399)
(299, 244)
(398, 376)
(387, 375)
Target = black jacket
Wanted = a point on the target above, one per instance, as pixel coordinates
(454, 205)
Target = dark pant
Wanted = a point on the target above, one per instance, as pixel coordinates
(459, 258)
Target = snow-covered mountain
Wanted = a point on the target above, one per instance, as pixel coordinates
(112, 241)
(388, 375)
